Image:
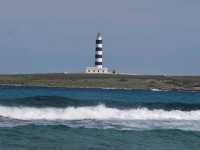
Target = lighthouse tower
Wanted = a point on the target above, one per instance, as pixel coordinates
(98, 68)
(99, 52)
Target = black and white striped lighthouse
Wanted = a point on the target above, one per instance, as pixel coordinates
(99, 51)
(98, 68)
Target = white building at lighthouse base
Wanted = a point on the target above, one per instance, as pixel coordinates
(97, 70)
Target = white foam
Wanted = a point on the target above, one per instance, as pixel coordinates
(99, 112)
(156, 90)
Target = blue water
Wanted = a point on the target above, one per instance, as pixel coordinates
(60, 118)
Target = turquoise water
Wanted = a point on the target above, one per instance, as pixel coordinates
(59, 118)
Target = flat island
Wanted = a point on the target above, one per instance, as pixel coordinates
(103, 81)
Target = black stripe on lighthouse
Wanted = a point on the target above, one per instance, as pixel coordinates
(98, 63)
(99, 42)
(99, 49)
(98, 56)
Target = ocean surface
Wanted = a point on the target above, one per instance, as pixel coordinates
(36, 118)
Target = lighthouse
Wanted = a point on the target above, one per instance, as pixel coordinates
(98, 65)
(99, 52)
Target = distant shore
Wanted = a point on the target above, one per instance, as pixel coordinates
(110, 81)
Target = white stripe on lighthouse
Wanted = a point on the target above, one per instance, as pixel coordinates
(99, 52)
(99, 45)
(99, 59)
(99, 66)
(99, 38)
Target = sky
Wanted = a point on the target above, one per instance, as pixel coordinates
(140, 36)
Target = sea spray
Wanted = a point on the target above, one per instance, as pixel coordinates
(99, 112)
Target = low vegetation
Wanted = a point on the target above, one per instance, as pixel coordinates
(104, 81)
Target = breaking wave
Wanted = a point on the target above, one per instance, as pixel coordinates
(100, 117)
(99, 112)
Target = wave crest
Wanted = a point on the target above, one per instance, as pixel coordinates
(99, 112)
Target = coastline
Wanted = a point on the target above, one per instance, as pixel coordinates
(104, 81)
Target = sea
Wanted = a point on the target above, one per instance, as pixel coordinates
(41, 118)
